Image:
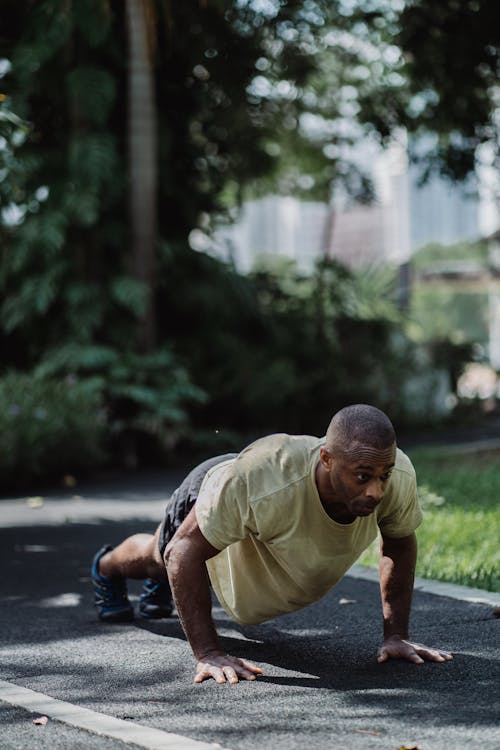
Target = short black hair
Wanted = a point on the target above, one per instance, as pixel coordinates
(362, 424)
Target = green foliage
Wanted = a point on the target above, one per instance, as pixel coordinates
(468, 478)
(95, 87)
(48, 427)
(459, 541)
(244, 92)
(442, 312)
(13, 132)
(279, 351)
(437, 255)
(142, 394)
(429, 499)
(455, 548)
(449, 315)
(451, 61)
(60, 257)
(440, 76)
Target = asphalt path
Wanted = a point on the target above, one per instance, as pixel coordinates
(322, 687)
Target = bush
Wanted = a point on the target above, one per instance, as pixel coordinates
(48, 427)
(145, 397)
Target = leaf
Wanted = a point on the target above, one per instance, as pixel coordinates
(34, 502)
(129, 293)
(69, 480)
(95, 87)
(41, 721)
(92, 159)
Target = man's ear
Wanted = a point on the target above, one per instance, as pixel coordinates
(326, 458)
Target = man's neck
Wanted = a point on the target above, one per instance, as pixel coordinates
(335, 509)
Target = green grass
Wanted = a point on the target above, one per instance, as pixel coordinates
(459, 538)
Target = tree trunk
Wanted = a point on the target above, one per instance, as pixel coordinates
(142, 155)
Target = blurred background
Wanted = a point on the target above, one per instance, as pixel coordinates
(225, 219)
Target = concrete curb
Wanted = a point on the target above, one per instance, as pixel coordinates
(101, 724)
(438, 588)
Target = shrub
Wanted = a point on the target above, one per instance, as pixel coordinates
(144, 396)
(48, 427)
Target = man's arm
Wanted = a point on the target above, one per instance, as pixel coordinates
(397, 571)
(185, 558)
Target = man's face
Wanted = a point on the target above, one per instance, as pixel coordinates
(358, 478)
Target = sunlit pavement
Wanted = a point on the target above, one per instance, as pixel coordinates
(322, 687)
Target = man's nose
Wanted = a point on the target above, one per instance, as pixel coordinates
(375, 490)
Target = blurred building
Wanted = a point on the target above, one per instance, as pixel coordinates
(404, 217)
(441, 211)
(278, 226)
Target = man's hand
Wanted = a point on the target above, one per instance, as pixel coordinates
(396, 647)
(225, 668)
(185, 558)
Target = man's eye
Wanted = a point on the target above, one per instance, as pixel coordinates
(362, 477)
(386, 477)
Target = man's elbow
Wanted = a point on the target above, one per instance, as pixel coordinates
(183, 552)
(173, 554)
(188, 548)
(401, 548)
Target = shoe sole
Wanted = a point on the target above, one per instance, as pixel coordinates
(159, 616)
(118, 617)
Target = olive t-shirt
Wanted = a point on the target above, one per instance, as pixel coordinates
(280, 550)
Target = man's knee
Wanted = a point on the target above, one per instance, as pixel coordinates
(156, 551)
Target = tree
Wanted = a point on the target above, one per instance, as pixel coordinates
(442, 77)
(452, 62)
(245, 94)
(142, 158)
(67, 256)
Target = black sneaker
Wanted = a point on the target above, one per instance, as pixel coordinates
(156, 600)
(111, 597)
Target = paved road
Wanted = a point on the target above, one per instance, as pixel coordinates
(321, 689)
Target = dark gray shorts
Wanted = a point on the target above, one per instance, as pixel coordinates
(183, 499)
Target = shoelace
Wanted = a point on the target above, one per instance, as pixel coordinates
(153, 590)
(109, 592)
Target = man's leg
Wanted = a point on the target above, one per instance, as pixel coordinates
(138, 557)
(141, 556)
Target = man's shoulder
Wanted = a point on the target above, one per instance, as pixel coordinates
(275, 462)
(403, 479)
(403, 464)
(280, 442)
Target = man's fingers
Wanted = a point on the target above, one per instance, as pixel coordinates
(213, 672)
(221, 671)
(412, 652)
(415, 658)
(382, 656)
(251, 667)
(230, 675)
(245, 669)
(386, 654)
(208, 671)
(432, 654)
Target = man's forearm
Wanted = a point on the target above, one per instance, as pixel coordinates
(397, 572)
(185, 562)
(191, 591)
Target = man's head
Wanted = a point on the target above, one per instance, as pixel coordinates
(356, 461)
(359, 424)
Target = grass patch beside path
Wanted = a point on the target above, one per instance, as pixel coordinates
(459, 537)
